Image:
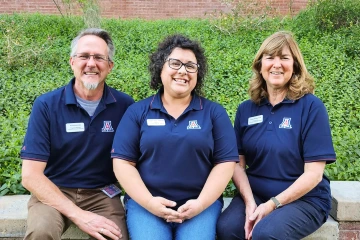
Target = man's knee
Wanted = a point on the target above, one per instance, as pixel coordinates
(43, 222)
(43, 229)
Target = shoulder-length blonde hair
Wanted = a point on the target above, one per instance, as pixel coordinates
(301, 81)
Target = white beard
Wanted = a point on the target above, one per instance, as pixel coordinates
(91, 86)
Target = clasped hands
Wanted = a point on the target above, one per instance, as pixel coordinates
(160, 207)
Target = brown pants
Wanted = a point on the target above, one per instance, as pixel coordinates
(45, 222)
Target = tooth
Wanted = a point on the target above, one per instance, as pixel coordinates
(180, 80)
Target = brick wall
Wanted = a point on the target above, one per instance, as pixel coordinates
(349, 230)
(146, 9)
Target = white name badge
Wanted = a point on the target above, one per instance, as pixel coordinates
(155, 122)
(255, 120)
(75, 127)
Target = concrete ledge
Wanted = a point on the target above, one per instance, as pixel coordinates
(328, 231)
(346, 205)
(345, 200)
(13, 214)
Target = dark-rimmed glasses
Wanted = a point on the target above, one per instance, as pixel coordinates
(177, 64)
(97, 57)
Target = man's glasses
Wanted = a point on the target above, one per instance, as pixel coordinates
(97, 57)
(177, 64)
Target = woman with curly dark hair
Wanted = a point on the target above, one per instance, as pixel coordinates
(174, 152)
(284, 142)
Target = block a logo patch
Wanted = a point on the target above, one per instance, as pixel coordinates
(193, 125)
(107, 127)
(286, 123)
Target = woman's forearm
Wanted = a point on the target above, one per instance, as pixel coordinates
(215, 184)
(130, 180)
(241, 181)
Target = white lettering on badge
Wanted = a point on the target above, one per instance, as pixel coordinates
(255, 120)
(155, 122)
(75, 127)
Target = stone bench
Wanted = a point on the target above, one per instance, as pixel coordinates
(343, 225)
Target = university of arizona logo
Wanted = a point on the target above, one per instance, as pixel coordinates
(193, 125)
(285, 123)
(107, 127)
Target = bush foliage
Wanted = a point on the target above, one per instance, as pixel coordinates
(34, 54)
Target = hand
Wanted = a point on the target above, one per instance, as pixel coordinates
(261, 211)
(159, 207)
(249, 225)
(97, 226)
(190, 209)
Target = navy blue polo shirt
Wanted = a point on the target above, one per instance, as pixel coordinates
(75, 146)
(175, 156)
(277, 141)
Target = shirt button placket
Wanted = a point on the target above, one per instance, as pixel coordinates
(270, 123)
(174, 126)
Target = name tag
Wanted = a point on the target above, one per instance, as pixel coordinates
(255, 120)
(75, 127)
(111, 190)
(155, 122)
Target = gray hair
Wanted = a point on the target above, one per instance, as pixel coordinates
(96, 32)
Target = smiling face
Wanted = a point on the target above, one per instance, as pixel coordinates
(179, 83)
(277, 70)
(90, 73)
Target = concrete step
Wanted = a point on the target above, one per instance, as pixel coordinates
(13, 213)
(328, 231)
(346, 208)
(345, 200)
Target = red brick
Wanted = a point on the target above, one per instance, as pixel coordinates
(349, 235)
(349, 226)
(147, 9)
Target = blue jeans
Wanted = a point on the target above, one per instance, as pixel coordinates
(292, 221)
(144, 225)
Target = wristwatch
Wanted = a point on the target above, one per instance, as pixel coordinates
(277, 203)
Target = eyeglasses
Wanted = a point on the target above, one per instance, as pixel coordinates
(97, 57)
(177, 64)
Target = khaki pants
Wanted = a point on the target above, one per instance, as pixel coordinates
(45, 222)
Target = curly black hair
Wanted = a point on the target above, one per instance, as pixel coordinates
(165, 48)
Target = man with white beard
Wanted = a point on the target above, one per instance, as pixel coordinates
(66, 153)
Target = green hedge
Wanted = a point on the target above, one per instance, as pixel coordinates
(34, 52)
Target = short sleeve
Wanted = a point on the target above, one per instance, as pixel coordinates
(238, 133)
(224, 137)
(127, 137)
(37, 139)
(316, 135)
